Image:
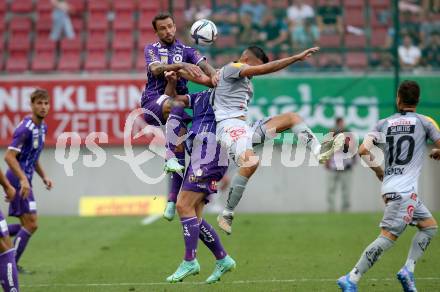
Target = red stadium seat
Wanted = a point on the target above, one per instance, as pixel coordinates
(355, 17)
(140, 61)
(20, 25)
(72, 45)
(145, 19)
(358, 4)
(43, 61)
(96, 61)
(100, 5)
(355, 41)
(97, 42)
(380, 3)
(98, 22)
(179, 4)
(70, 61)
(126, 5)
(121, 61)
(78, 25)
(44, 44)
(379, 37)
(356, 60)
(2, 23)
(3, 6)
(19, 43)
(78, 6)
(123, 41)
(330, 41)
(22, 6)
(17, 62)
(123, 22)
(44, 25)
(44, 6)
(330, 58)
(179, 18)
(374, 19)
(146, 37)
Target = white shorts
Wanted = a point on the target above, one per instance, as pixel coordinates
(236, 136)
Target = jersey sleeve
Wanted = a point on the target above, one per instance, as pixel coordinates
(193, 56)
(432, 129)
(151, 56)
(377, 133)
(232, 70)
(21, 134)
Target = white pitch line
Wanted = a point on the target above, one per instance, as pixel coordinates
(150, 219)
(428, 279)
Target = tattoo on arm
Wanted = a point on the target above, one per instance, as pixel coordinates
(207, 69)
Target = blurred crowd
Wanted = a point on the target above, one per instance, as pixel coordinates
(283, 27)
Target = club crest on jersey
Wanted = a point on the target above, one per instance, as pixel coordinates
(177, 58)
(164, 59)
(213, 185)
(199, 172)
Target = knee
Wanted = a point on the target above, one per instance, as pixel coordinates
(31, 226)
(182, 207)
(293, 119)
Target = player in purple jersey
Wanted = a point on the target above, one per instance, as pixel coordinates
(22, 158)
(207, 167)
(169, 54)
(8, 266)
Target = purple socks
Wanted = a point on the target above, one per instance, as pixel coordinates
(211, 240)
(191, 229)
(8, 271)
(176, 179)
(20, 242)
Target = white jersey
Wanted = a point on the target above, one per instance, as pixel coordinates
(233, 93)
(403, 137)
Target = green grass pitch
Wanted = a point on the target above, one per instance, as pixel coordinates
(274, 252)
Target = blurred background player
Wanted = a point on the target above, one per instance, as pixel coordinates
(404, 137)
(340, 171)
(169, 54)
(207, 167)
(22, 158)
(230, 102)
(8, 267)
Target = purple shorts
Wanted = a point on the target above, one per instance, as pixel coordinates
(203, 178)
(154, 115)
(4, 232)
(20, 206)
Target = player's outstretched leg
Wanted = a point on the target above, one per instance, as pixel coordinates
(29, 226)
(175, 157)
(236, 190)
(186, 207)
(419, 245)
(369, 257)
(8, 266)
(224, 263)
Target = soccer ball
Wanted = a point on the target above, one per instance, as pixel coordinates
(204, 32)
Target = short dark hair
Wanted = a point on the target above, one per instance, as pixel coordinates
(39, 94)
(161, 16)
(259, 53)
(409, 92)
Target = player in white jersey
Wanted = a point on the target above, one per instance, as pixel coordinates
(230, 103)
(403, 138)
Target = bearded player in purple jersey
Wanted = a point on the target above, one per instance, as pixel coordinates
(22, 158)
(169, 54)
(207, 167)
(8, 267)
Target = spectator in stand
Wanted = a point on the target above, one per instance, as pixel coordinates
(197, 10)
(256, 8)
(330, 18)
(431, 5)
(298, 12)
(226, 17)
(249, 31)
(61, 23)
(386, 62)
(431, 53)
(274, 33)
(279, 9)
(429, 26)
(304, 34)
(409, 55)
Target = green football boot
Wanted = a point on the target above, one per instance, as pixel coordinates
(184, 270)
(170, 211)
(222, 266)
(173, 165)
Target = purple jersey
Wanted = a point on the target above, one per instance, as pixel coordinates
(173, 54)
(28, 140)
(208, 162)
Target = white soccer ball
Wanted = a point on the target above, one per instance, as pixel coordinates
(204, 32)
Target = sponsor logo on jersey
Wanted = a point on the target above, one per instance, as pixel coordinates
(392, 197)
(413, 197)
(394, 171)
(213, 185)
(236, 133)
(396, 130)
(408, 218)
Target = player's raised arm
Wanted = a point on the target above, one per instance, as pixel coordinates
(274, 66)
(170, 89)
(201, 79)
